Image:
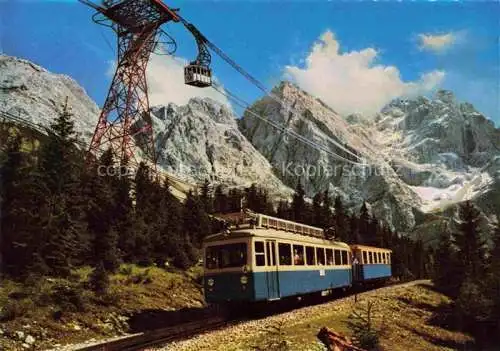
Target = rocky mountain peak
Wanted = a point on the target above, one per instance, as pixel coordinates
(445, 96)
(33, 93)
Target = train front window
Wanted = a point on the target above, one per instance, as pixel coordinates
(226, 256)
(260, 255)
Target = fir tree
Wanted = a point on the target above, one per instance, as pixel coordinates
(326, 210)
(19, 220)
(283, 210)
(341, 224)
(445, 264)
(220, 200)
(317, 213)
(298, 204)
(62, 227)
(195, 221)
(364, 225)
(467, 238)
(101, 213)
(493, 279)
(206, 197)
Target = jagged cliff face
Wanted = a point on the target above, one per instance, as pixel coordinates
(425, 155)
(201, 140)
(31, 92)
(378, 184)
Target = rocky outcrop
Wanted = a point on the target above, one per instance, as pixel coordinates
(201, 140)
(31, 92)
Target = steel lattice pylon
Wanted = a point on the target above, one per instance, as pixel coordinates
(125, 121)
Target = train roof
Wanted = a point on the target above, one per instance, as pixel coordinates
(270, 233)
(370, 248)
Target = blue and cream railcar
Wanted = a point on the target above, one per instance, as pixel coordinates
(273, 259)
(371, 263)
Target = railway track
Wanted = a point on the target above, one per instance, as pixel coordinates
(140, 341)
(185, 330)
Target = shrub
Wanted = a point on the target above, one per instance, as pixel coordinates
(69, 297)
(361, 322)
(13, 309)
(143, 277)
(274, 339)
(126, 270)
(99, 279)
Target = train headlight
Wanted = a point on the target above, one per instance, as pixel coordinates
(210, 282)
(244, 279)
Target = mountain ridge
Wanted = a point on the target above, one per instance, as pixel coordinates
(430, 153)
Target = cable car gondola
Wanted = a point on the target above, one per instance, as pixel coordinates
(198, 72)
(197, 75)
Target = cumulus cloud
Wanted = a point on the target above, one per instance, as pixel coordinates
(353, 82)
(165, 76)
(437, 43)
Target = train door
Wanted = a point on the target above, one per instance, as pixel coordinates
(272, 271)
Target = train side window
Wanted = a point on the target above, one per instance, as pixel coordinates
(310, 259)
(337, 258)
(389, 256)
(329, 257)
(365, 257)
(285, 254)
(344, 257)
(380, 257)
(370, 257)
(260, 256)
(298, 255)
(320, 255)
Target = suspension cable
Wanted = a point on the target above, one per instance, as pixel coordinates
(253, 80)
(240, 102)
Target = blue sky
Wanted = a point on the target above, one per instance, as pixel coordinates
(354, 55)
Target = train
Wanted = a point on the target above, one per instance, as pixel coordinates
(263, 258)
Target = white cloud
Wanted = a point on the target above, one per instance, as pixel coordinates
(438, 43)
(165, 77)
(353, 82)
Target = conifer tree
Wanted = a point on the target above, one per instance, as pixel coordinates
(61, 239)
(101, 214)
(341, 224)
(467, 238)
(445, 264)
(298, 204)
(326, 210)
(206, 197)
(317, 211)
(283, 210)
(195, 221)
(418, 256)
(364, 225)
(19, 222)
(493, 280)
(220, 200)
